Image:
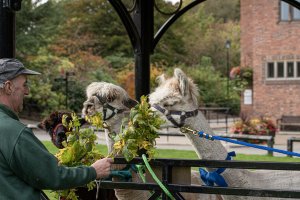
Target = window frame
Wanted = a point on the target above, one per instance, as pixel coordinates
(296, 70)
(291, 10)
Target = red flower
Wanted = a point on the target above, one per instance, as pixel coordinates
(234, 72)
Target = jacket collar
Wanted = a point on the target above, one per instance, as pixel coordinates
(8, 111)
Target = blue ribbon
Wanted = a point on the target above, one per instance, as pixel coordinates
(214, 177)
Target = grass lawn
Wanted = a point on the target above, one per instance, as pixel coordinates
(171, 153)
(186, 154)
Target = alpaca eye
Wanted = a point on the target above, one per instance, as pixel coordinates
(89, 107)
(168, 105)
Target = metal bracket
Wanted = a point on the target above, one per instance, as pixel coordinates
(14, 5)
(6, 3)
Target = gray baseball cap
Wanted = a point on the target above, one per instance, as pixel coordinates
(11, 68)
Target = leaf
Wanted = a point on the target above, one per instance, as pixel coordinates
(79, 149)
(140, 133)
(65, 155)
(128, 155)
(132, 144)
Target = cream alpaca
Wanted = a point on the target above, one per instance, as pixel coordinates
(180, 93)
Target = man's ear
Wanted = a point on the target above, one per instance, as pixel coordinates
(8, 87)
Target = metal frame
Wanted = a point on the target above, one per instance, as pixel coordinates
(175, 189)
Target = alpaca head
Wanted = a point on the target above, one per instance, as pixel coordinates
(54, 127)
(177, 93)
(108, 99)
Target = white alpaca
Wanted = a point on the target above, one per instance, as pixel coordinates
(114, 103)
(180, 93)
(102, 93)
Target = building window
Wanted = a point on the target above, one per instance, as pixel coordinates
(298, 69)
(271, 70)
(296, 13)
(283, 70)
(288, 12)
(290, 69)
(280, 69)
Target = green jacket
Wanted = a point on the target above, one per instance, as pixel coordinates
(27, 167)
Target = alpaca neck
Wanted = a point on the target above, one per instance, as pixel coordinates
(214, 150)
(205, 149)
(115, 125)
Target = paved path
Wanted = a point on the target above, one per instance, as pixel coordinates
(182, 143)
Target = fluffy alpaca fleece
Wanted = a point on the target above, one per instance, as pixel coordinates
(52, 125)
(180, 93)
(118, 98)
(99, 94)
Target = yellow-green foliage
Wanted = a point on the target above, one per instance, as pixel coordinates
(140, 133)
(79, 149)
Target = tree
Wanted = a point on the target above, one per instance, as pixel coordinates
(224, 10)
(36, 26)
(88, 38)
(205, 36)
(212, 85)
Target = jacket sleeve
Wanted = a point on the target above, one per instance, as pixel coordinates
(33, 163)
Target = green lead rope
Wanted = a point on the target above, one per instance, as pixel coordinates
(140, 170)
(166, 191)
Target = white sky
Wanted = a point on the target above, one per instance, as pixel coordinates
(173, 1)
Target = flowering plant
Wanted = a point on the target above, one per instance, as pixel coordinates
(254, 126)
(241, 77)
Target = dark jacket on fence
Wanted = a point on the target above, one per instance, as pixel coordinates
(27, 167)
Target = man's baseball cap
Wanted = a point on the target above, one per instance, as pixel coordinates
(10, 68)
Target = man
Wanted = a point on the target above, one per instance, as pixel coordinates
(26, 166)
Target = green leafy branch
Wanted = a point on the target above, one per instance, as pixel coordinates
(79, 149)
(140, 133)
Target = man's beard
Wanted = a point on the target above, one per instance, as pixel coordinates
(20, 108)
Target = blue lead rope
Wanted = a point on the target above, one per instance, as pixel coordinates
(215, 177)
(214, 137)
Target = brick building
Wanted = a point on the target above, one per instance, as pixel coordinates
(270, 44)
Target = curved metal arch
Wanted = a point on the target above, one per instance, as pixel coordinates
(165, 13)
(171, 20)
(128, 23)
(294, 3)
(132, 7)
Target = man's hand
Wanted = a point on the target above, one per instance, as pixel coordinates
(102, 167)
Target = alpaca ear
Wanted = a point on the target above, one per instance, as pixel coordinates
(160, 79)
(183, 81)
(130, 103)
